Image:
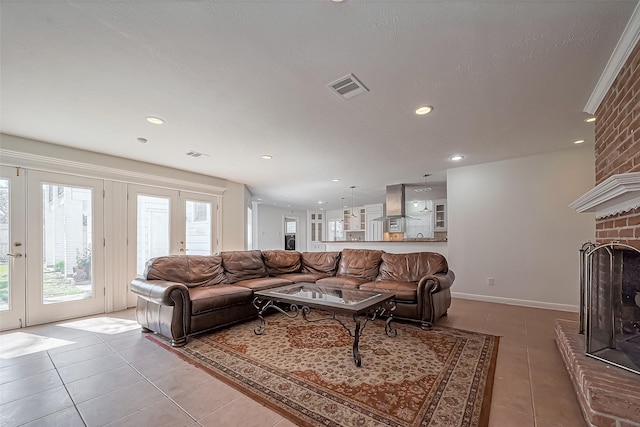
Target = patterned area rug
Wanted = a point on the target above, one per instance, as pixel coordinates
(305, 371)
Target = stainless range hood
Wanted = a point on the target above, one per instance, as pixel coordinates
(395, 200)
(394, 220)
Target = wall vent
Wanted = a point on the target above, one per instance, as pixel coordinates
(196, 154)
(348, 86)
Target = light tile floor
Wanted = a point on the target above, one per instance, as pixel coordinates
(102, 371)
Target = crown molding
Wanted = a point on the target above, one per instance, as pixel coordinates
(52, 164)
(617, 194)
(626, 44)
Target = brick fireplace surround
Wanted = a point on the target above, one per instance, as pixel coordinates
(609, 396)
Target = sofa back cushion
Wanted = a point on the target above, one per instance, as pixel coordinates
(360, 263)
(320, 262)
(282, 262)
(190, 270)
(411, 267)
(243, 265)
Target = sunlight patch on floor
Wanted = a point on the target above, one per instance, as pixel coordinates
(18, 344)
(102, 325)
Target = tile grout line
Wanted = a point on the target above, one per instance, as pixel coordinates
(64, 384)
(153, 384)
(533, 404)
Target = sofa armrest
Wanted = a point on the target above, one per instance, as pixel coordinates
(160, 291)
(433, 291)
(437, 282)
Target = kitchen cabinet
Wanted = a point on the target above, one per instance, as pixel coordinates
(315, 221)
(374, 230)
(440, 215)
(354, 219)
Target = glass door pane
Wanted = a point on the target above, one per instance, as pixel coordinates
(153, 229)
(5, 238)
(66, 244)
(198, 228)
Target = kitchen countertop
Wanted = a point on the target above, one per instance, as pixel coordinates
(387, 241)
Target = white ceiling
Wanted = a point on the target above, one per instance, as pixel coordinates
(238, 79)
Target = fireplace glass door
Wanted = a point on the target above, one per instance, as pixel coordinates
(613, 305)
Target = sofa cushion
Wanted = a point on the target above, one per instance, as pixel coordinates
(405, 291)
(411, 267)
(190, 270)
(303, 277)
(360, 263)
(282, 262)
(320, 262)
(243, 265)
(342, 282)
(263, 283)
(209, 298)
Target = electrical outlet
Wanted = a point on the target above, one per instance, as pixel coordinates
(490, 281)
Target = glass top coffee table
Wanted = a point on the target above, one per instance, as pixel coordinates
(302, 297)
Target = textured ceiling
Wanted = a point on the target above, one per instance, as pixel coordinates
(238, 79)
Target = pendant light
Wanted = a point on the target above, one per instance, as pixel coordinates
(352, 206)
(426, 209)
(342, 206)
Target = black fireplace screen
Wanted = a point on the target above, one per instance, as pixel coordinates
(611, 304)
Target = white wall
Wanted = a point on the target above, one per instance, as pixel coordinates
(270, 227)
(510, 220)
(101, 166)
(234, 217)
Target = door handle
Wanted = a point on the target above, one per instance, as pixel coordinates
(15, 255)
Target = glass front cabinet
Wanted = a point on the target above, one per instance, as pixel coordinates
(440, 215)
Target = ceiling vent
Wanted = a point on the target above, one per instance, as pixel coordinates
(196, 154)
(348, 86)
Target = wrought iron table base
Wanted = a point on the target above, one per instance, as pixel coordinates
(294, 310)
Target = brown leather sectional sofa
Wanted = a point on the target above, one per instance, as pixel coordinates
(181, 295)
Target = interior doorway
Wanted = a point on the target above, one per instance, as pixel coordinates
(290, 233)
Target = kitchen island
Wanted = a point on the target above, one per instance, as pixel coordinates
(397, 246)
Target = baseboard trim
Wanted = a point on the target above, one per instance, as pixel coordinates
(520, 302)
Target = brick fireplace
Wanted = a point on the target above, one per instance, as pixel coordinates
(608, 394)
(617, 148)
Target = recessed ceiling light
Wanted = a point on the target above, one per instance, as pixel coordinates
(580, 141)
(155, 120)
(335, 180)
(337, 1)
(456, 158)
(425, 109)
(142, 140)
(267, 157)
(258, 199)
(590, 120)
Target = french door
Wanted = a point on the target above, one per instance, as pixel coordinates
(168, 222)
(12, 245)
(65, 247)
(51, 239)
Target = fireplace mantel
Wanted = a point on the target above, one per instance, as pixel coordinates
(617, 194)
